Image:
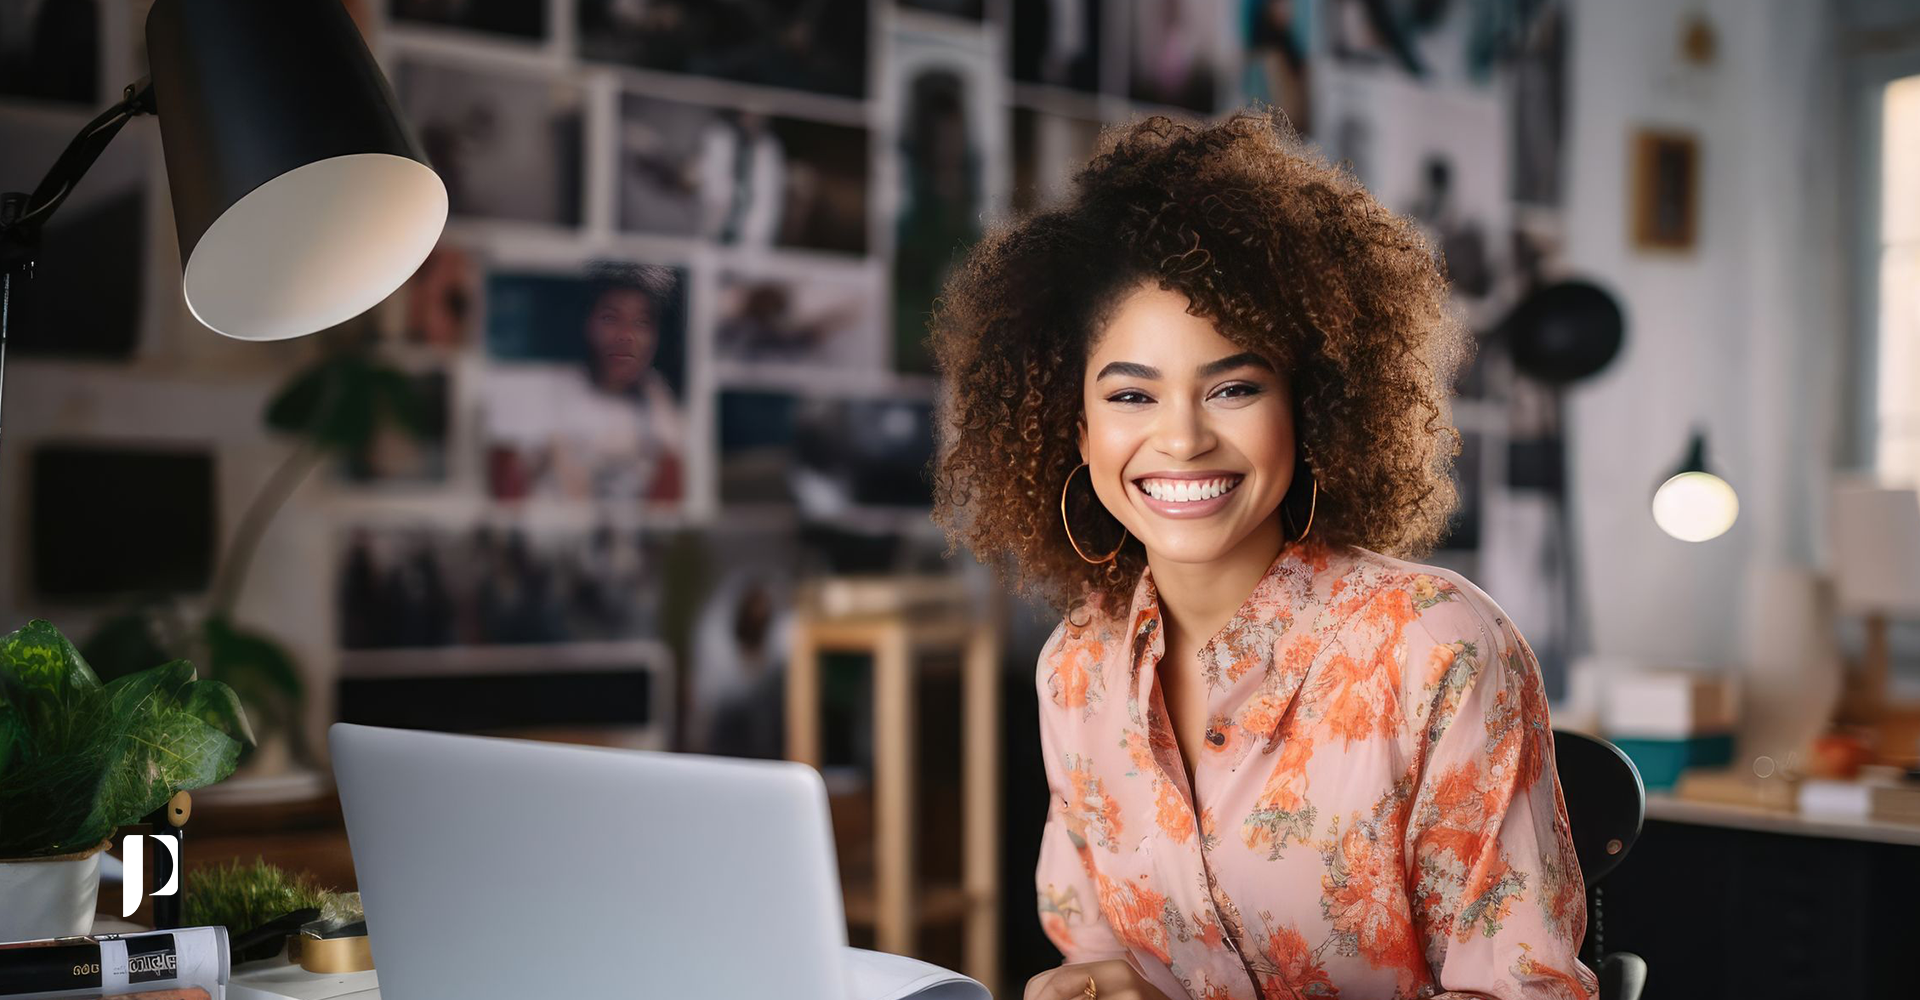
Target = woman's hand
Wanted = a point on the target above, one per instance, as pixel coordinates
(1113, 979)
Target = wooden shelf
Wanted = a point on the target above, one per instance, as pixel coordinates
(934, 904)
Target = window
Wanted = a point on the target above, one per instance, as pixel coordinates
(1894, 312)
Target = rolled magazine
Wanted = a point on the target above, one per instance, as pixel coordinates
(183, 958)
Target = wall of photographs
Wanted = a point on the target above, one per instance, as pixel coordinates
(675, 327)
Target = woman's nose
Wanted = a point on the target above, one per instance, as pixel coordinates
(1182, 431)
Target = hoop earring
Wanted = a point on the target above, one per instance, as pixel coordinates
(1313, 503)
(1069, 528)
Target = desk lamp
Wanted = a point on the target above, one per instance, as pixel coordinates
(1876, 569)
(300, 196)
(1692, 504)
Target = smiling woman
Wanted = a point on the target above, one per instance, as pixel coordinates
(1284, 760)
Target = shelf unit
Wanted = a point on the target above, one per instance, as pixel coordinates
(938, 621)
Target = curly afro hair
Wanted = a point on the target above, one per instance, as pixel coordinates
(1286, 255)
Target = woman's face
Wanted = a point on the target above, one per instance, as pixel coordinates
(1187, 435)
(621, 331)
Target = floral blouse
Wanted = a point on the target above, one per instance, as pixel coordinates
(1374, 812)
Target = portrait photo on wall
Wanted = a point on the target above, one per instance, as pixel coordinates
(784, 321)
(947, 135)
(1047, 150)
(1057, 43)
(439, 305)
(819, 46)
(972, 10)
(1177, 52)
(507, 144)
(431, 585)
(90, 280)
(50, 51)
(584, 396)
(741, 178)
(1277, 38)
(829, 457)
(741, 637)
(1441, 158)
(513, 18)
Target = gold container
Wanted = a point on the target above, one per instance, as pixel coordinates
(330, 955)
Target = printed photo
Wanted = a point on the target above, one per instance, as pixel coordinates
(948, 136)
(1440, 157)
(1047, 149)
(828, 457)
(819, 46)
(507, 145)
(584, 400)
(50, 51)
(1178, 51)
(742, 638)
(433, 585)
(780, 321)
(514, 18)
(1277, 36)
(741, 178)
(439, 306)
(972, 10)
(1057, 42)
(90, 280)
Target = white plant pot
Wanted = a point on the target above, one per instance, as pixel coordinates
(50, 897)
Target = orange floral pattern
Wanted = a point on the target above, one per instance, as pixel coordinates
(1378, 816)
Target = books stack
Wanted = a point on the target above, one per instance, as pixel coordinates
(1667, 721)
(185, 963)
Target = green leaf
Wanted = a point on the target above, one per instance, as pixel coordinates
(38, 658)
(79, 759)
(235, 655)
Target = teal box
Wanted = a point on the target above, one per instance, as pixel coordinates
(1661, 761)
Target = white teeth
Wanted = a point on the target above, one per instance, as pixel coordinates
(1187, 490)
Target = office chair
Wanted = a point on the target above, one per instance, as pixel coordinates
(1606, 803)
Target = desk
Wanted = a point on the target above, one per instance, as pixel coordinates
(1729, 901)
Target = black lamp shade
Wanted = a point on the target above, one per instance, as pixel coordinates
(300, 195)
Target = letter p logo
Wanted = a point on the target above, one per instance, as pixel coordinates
(133, 862)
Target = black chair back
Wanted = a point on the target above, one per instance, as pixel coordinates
(1606, 805)
(1606, 801)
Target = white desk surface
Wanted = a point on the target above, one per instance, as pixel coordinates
(1674, 810)
(278, 979)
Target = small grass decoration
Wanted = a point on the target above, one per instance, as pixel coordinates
(241, 897)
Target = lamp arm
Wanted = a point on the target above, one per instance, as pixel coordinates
(21, 216)
(85, 148)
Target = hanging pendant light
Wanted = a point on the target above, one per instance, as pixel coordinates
(1693, 504)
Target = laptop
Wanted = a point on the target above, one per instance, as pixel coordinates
(501, 869)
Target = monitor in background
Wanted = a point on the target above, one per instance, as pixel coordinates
(116, 520)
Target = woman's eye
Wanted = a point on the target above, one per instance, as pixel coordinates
(1239, 389)
(1129, 396)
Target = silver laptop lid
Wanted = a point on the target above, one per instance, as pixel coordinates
(496, 869)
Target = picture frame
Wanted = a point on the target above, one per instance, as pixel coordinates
(1665, 198)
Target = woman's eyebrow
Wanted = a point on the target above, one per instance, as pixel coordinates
(1232, 361)
(1134, 369)
(1129, 368)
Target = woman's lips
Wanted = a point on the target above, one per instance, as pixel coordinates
(1170, 488)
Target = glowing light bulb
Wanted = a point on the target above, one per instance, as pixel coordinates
(1695, 506)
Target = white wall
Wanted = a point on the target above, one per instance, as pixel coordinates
(1742, 335)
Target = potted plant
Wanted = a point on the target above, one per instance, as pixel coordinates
(79, 759)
